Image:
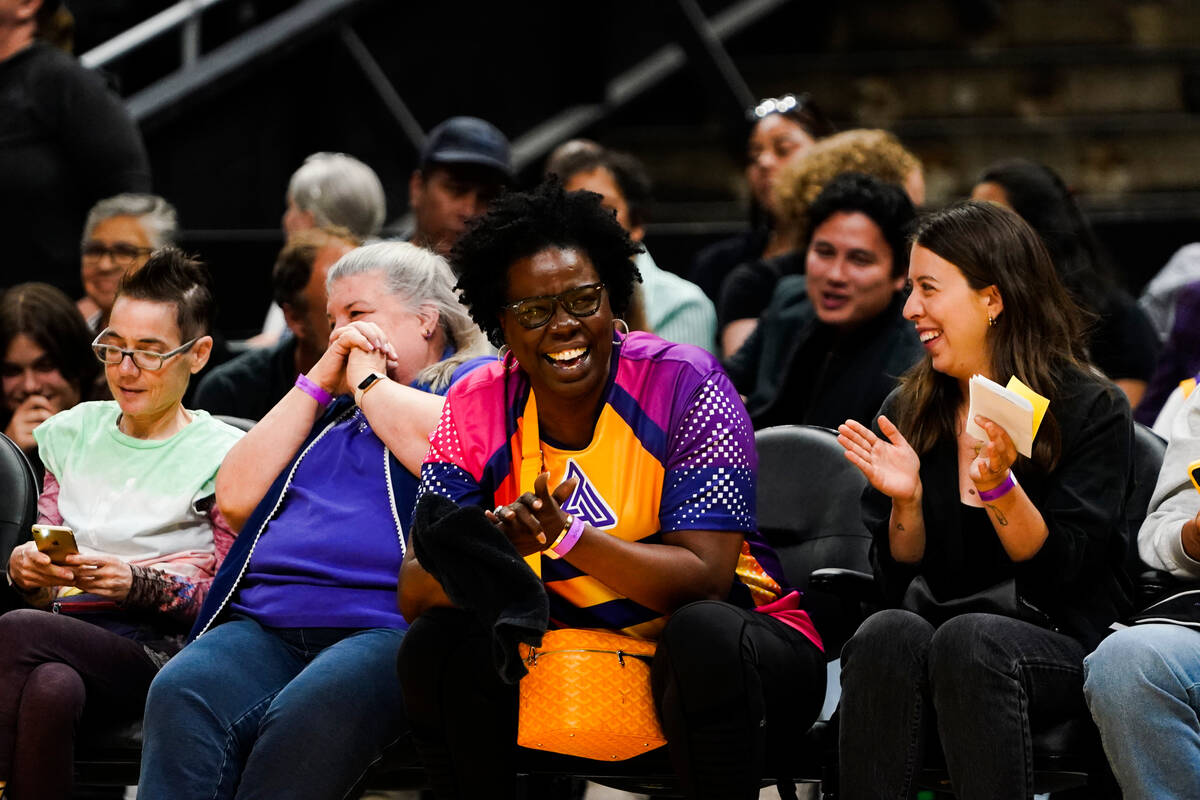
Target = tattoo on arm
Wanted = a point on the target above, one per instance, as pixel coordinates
(1001, 520)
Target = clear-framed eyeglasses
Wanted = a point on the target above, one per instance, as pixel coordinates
(142, 359)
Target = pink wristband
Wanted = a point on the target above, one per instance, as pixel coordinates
(1001, 490)
(314, 391)
(567, 540)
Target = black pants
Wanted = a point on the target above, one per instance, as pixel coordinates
(735, 690)
(979, 678)
(50, 665)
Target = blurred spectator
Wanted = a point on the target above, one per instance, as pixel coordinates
(464, 165)
(832, 342)
(335, 190)
(48, 365)
(675, 309)
(1121, 341)
(329, 190)
(748, 288)
(65, 142)
(783, 128)
(119, 235)
(251, 384)
(1159, 296)
(1178, 363)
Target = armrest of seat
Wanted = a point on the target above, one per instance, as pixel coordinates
(847, 584)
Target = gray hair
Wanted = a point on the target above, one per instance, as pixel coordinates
(420, 277)
(339, 191)
(156, 216)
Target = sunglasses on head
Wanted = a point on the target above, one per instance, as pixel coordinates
(776, 105)
(534, 312)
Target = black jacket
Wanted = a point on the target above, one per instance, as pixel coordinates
(795, 369)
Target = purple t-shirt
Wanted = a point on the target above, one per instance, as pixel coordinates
(331, 557)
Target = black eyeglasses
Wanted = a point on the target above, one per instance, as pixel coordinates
(534, 312)
(123, 255)
(142, 359)
(776, 105)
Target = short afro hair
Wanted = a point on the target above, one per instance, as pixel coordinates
(521, 224)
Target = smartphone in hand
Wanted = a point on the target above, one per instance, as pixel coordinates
(56, 541)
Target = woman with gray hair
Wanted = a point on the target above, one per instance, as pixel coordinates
(293, 670)
(335, 190)
(118, 237)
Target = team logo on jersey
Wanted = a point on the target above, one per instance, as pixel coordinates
(586, 502)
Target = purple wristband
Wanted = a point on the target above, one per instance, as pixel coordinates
(569, 539)
(1001, 490)
(311, 389)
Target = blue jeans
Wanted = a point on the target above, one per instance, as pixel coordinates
(979, 680)
(1143, 686)
(253, 712)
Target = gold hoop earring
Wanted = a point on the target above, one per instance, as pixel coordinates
(503, 353)
(625, 332)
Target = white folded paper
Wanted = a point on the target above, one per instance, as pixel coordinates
(1004, 407)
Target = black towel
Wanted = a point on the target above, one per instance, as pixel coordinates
(482, 573)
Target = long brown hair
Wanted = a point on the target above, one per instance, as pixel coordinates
(1037, 337)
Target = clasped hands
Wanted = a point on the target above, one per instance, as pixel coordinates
(99, 574)
(893, 467)
(535, 519)
(355, 350)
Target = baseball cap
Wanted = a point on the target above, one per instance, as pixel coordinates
(468, 140)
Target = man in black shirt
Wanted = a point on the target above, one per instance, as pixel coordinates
(833, 341)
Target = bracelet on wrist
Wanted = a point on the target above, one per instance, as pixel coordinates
(1006, 486)
(567, 538)
(313, 390)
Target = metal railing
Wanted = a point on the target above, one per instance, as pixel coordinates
(184, 15)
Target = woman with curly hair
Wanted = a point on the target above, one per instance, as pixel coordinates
(642, 513)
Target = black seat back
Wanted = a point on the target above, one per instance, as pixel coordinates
(18, 506)
(809, 501)
(1148, 451)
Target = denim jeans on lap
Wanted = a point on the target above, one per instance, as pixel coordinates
(979, 679)
(1143, 686)
(252, 712)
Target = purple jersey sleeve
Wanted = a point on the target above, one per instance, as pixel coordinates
(711, 461)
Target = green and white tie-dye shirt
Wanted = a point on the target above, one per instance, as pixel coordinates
(134, 498)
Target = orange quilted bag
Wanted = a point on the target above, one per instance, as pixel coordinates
(587, 694)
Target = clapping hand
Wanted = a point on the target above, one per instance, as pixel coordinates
(891, 465)
(995, 457)
(535, 519)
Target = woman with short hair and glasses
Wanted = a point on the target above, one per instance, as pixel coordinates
(119, 235)
(642, 518)
(781, 130)
(134, 478)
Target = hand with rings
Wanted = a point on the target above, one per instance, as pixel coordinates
(993, 458)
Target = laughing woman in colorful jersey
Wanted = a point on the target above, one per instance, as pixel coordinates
(651, 471)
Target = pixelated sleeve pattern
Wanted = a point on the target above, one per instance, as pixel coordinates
(711, 462)
(446, 471)
(177, 596)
